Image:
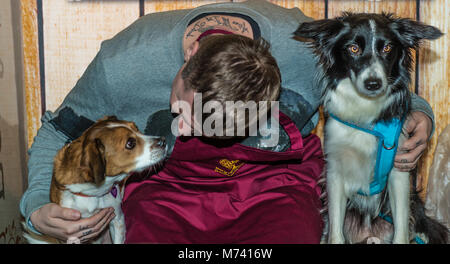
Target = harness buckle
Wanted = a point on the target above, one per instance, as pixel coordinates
(389, 148)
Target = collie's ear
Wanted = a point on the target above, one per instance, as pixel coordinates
(411, 32)
(319, 30)
(324, 34)
(93, 161)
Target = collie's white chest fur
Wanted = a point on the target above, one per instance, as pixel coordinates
(354, 151)
(350, 152)
(351, 155)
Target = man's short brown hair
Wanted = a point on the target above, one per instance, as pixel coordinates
(233, 68)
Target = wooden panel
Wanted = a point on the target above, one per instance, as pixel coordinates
(152, 6)
(434, 68)
(11, 164)
(31, 68)
(311, 8)
(403, 8)
(73, 32)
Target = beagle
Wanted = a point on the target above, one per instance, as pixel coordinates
(87, 171)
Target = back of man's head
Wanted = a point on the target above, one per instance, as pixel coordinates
(234, 71)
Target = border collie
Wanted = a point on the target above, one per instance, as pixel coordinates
(366, 61)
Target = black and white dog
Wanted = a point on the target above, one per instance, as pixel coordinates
(366, 63)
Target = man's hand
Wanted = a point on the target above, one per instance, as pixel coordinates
(64, 223)
(418, 125)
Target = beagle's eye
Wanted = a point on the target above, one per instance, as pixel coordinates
(354, 48)
(131, 143)
(387, 48)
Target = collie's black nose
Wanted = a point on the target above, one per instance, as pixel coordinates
(372, 84)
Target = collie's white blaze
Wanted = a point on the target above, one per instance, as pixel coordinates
(373, 29)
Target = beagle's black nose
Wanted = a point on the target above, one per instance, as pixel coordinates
(372, 84)
(162, 142)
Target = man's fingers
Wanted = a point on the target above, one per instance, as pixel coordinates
(70, 214)
(411, 156)
(408, 161)
(61, 229)
(410, 125)
(413, 142)
(93, 220)
(92, 224)
(405, 168)
(97, 230)
(57, 211)
(56, 232)
(68, 228)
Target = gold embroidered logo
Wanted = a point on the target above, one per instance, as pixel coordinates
(230, 166)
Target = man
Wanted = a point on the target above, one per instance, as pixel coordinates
(131, 75)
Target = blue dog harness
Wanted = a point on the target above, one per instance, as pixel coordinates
(387, 134)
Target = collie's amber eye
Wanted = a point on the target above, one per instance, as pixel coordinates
(387, 48)
(354, 49)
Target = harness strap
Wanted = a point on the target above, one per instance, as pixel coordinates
(387, 134)
(113, 191)
(82, 194)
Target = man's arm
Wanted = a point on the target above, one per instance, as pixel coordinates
(40, 165)
(418, 104)
(420, 127)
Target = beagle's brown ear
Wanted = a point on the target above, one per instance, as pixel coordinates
(108, 118)
(93, 161)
